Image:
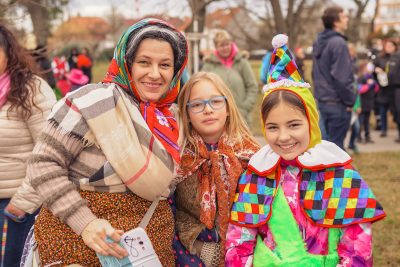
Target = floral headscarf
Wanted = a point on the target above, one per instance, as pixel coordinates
(156, 114)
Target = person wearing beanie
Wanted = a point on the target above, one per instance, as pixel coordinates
(109, 150)
(333, 76)
(300, 202)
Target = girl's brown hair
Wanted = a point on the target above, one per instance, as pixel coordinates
(20, 66)
(278, 96)
(235, 127)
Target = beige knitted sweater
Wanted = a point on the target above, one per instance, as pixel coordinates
(17, 139)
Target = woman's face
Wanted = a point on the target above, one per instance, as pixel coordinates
(3, 61)
(287, 131)
(209, 123)
(389, 48)
(224, 48)
(153, 69)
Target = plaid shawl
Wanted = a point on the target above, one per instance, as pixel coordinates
(158, 117)
(104, 115)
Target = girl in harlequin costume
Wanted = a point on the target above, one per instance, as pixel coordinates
(300, 203)
(215, 153)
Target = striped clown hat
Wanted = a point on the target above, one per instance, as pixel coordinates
(283, 74)
(283, 70)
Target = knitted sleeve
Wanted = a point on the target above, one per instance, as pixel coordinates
(48, 174)
(355, 245)
(188, 229)
(25, 197)
(239, 246)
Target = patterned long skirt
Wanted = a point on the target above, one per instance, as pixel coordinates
(59, 246)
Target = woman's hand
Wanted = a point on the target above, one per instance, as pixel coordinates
(94, 235)
(15, 211)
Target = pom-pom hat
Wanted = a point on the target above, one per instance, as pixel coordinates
(283, 74)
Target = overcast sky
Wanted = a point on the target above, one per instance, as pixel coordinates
(138, 8)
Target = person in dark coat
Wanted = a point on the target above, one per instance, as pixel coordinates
(333, 76)
(385, 63)
(73, 58)
(367, 87)
(393, 69)
(44, 65)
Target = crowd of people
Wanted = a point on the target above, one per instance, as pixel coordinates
(348, 90)
(89, 167)
(64, 74)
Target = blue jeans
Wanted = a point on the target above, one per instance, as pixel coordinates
(335, 121)
(16, 236)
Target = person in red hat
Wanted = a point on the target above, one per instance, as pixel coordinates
(76, 79)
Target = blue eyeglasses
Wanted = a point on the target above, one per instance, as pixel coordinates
(215, 102)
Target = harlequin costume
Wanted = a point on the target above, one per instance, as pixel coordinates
(315, 210)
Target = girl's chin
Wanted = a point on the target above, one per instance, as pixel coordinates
(285, 157)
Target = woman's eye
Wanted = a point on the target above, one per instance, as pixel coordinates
(270, 128)
(295, 125)
(143, 62)
(165, 66)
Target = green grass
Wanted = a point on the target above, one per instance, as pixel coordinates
(381, 171)
(99, 70)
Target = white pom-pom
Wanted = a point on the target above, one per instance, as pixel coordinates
(279, 40)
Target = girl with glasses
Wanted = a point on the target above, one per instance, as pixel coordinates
(217, 148)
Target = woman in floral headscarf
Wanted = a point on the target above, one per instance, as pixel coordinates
(109, 150)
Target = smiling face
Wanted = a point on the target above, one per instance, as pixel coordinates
(224, 48)
(287, 131)
(210, 123)
(389, 47)
(153, 69)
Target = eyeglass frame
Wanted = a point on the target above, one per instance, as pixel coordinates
(207, 101)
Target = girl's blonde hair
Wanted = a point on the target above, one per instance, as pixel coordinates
(235, 126)
(221, 35)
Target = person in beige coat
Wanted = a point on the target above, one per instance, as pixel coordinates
(25, 102)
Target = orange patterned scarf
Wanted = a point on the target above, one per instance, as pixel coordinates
(218, 172)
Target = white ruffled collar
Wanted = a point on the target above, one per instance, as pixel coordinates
(323, 155)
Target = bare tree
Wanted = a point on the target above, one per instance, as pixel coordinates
(199, 9)
(116, 20)
(354, 29)
(42, 12)
(289, 18)
(376, 12)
